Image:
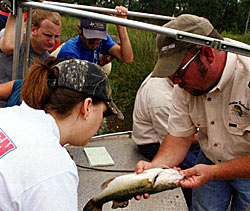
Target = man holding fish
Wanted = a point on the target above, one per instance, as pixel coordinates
(213, 94)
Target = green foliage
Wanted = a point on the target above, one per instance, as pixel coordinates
(229, 15)
(125, 79)
(239, 37)
(69, 27)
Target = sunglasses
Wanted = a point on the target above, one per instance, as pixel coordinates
(181, 71)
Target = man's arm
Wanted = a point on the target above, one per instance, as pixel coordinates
(172, 152)
(124, 51)
(234, 169)
(7, 41)
(6, 89)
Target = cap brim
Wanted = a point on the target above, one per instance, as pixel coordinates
(167, 65)
(113, 110)
(94, 34)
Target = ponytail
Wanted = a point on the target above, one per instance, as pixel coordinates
(37, 94)
(35, 91)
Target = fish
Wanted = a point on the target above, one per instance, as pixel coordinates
(123, 188)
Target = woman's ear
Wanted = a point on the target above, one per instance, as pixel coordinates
(208, 53)
(86, 107)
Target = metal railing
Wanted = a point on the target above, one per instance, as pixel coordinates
(239, 48)
(108, 11)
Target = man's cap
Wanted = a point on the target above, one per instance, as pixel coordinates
(171, 52)
(88, 78)
(93, 29)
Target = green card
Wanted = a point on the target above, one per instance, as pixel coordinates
(98, 156)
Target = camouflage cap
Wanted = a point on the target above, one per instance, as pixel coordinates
(88, 78)
(170, 51)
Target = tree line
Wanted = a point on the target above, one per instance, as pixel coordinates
(225, 15)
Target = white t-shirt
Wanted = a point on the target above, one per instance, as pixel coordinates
(36, 172)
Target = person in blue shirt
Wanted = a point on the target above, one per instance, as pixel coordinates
(93, 40)
(10, 92)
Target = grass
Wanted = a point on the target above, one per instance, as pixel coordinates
(125, 79)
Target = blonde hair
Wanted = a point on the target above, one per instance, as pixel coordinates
(39, 15)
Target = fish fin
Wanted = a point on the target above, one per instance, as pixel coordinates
(119, 204)
(92, 206)
(105, 184)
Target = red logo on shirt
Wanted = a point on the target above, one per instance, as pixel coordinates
(6, 145)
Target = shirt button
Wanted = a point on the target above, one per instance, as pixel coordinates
(209, 99)
(212, 123)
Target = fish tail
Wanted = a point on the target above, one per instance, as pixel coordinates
(92, 206)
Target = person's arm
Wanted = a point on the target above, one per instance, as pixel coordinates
(7, 41)
(172, 151)
(124, 51)
(6, 89)
(200, 174)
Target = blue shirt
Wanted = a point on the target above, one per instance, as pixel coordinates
(74, 48)
(14, 98)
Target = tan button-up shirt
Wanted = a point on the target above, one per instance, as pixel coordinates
(151, 110)
(222, 115)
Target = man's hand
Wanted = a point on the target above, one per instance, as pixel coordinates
(197, 175)
(143, 165)
(122, 12)
(140, 167)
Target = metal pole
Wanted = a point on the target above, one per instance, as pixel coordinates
(27, 42)
(179, 35)
(112, 134)
(108, 10)
(19, 21)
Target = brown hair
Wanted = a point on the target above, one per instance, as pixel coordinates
(39, 15)
(36, 93)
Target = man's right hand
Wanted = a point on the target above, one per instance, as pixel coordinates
(143, 165)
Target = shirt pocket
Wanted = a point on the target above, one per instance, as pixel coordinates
(239, 122)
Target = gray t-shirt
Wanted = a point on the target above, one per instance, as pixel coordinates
(6, 61)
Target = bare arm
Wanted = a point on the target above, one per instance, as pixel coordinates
(6, 89)
(172, 151)
(200, 174)
(7, 41)
(124, 52)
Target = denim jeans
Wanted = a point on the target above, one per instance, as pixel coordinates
(150, 150)
(216, 195)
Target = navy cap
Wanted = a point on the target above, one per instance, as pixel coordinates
(86, 77)
(93, 29)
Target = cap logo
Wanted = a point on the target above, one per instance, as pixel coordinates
(166, 48)
(97, 25)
